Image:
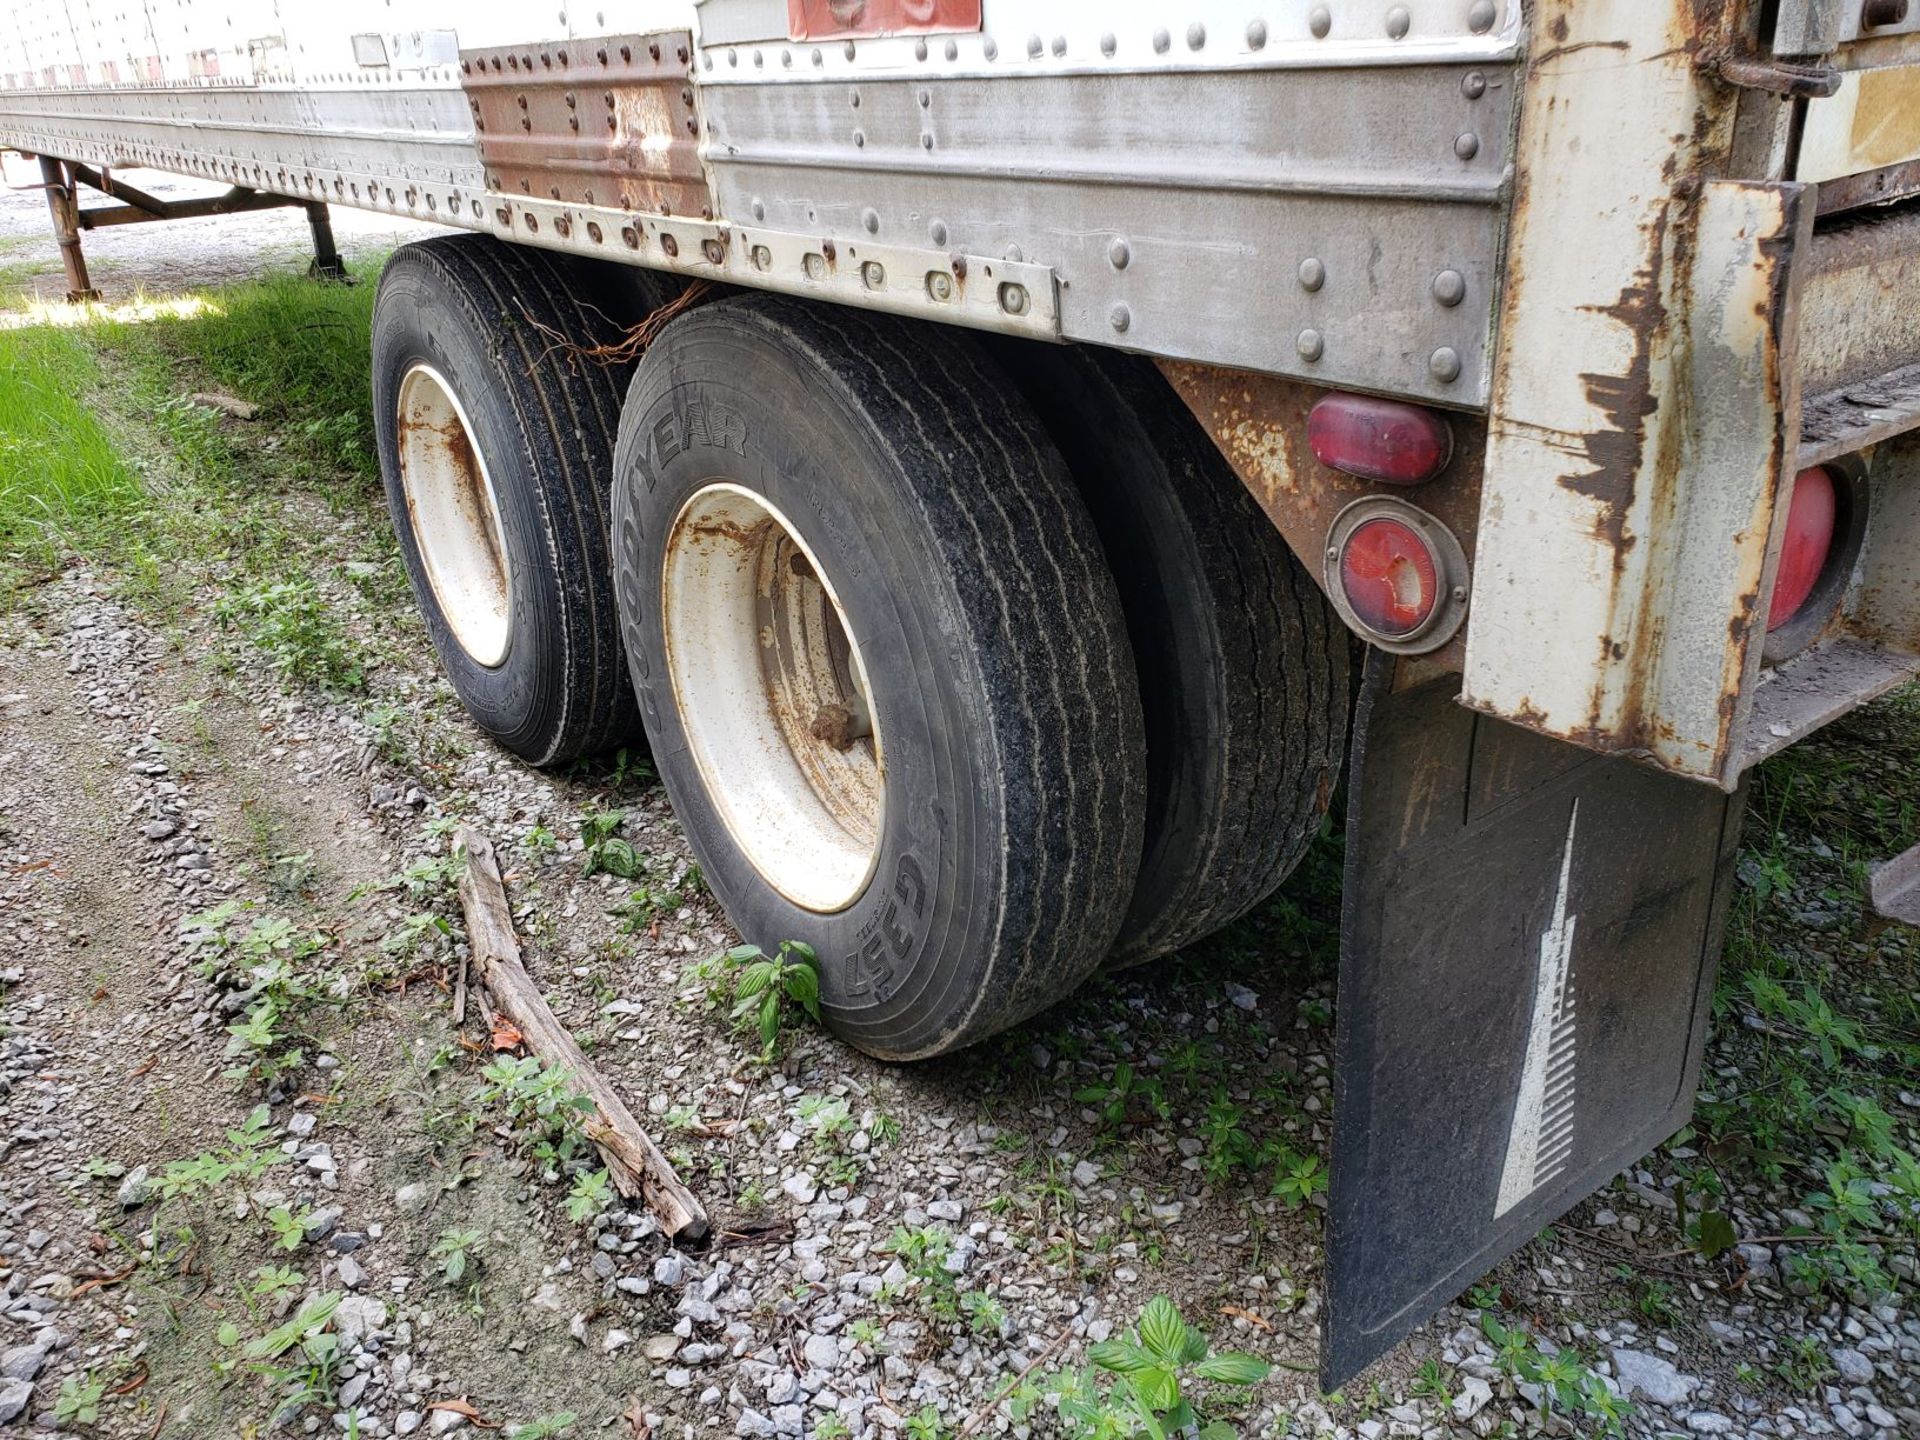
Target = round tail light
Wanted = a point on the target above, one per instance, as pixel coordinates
(1391, 577)
(1396, 575)
(1812, 516)
(1819, 546)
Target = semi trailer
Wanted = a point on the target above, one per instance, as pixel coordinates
(1013, 461)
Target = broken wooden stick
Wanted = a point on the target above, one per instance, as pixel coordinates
(460, 991)
(634, 1162)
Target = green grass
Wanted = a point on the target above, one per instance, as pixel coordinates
(103, 454)
(61, 475)
(1819, 1007)
(299, 350)
(291, 621)
(94, 414)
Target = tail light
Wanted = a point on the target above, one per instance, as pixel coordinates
(1396, 575)
(1825, 525)
(1383, 440)
(1812, 515)
(1391, 577)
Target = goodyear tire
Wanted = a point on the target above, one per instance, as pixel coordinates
(496, 446)
(1242, 662)
(881, 664)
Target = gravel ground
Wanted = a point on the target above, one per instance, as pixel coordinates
(157, 767)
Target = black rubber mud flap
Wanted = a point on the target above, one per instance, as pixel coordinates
(1528, 949)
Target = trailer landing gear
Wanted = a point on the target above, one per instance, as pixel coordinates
(63, 178)
(1528, 946)
(326, 264)
(64, 206)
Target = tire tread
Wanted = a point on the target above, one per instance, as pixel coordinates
(1277, 722)
(568, 407)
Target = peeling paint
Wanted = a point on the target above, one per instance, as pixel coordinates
(1616, 606)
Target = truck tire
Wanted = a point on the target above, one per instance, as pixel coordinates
(881, 664)
(496, 446)
(1243, 664)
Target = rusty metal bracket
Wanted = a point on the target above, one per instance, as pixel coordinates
(140, 207)
(1795, 79)
(63, 205)
(604, 121)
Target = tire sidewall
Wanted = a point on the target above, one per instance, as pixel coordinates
(900, 952)
(511, 700)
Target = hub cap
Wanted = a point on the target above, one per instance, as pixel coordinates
(773, 697)
(455, 518)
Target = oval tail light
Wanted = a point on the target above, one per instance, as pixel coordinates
(1387, 441)
(1397, 575)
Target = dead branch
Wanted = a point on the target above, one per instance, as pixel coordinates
(634, 1162)
(634, 344)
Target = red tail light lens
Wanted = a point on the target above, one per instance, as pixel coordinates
(1396, 574)
(1382, 440)
(1812, 518)
(1391, 577)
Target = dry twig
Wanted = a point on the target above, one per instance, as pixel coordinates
(633, 1160)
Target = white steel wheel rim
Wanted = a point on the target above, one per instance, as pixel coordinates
(773, 697)
(454, 516)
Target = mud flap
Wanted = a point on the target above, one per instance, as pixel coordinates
(1528, 948)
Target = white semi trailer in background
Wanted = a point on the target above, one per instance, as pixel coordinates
(1036, 399)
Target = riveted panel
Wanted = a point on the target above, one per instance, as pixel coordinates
(402, 149)
(1029, 37)
(1340, 227)
(1318, 192)
(607, 121)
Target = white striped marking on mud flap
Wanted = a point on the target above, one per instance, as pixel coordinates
(1540, 1139)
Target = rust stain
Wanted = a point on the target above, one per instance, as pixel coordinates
(731, 531)
(834, 725)
(606, 121)
(1627, 400)
(1560, 52)
(1259, 424)
(451, 437)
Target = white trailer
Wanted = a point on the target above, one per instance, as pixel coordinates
(1565, 353)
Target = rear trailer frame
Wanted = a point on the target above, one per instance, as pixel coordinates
(1613, 259)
